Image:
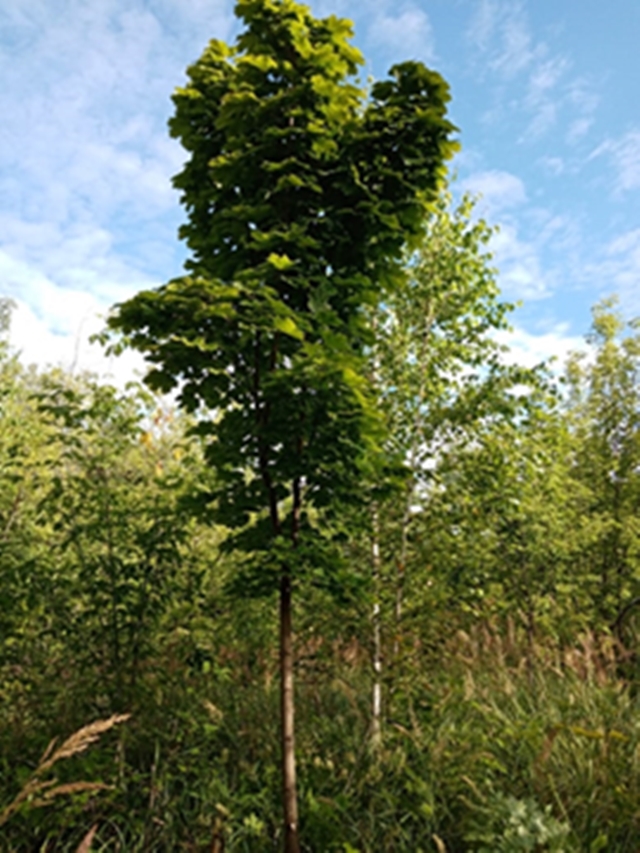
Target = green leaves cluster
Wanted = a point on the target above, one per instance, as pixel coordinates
(301, 194)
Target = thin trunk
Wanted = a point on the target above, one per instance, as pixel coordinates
(418, 424)
(289, 794)
(287, 700)
(376, 698)
(376, 710)
(401, 565)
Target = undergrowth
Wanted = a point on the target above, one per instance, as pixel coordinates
(495, 748)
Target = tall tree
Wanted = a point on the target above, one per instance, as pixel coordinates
(604, 410)
(440, 367)
(301, 195)
(439, 373)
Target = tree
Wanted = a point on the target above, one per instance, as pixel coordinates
(301, 195)
(118, 529)
(440, 367)
(438, 373)
(25, 454)
(604, 411)
(506, 525)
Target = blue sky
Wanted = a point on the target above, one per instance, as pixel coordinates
(545, 95)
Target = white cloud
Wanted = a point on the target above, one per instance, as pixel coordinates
(506, 47)
(407, 33)
(530, 349)
(56, 332)
(87, 212)
(553, 165)
(483, 24)
(617, 270)
(500, 33)
(542, 100)
(582, 93)
(557, 230)
(626, 243)
(56, 314)
(583, 98)
(614, 268)
(624, 154)
(579, 128)
(504, 202)
(543, 120)
(520, 270)
(517, 52)
(32, 338)
(499, 190)
(545, 77)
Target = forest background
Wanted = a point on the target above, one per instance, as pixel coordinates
(465, 660)
(508, 672)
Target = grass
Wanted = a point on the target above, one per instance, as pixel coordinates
(494, 745)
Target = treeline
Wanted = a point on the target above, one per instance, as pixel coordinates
(466, 658)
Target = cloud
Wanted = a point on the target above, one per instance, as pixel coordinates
(60, 308)
(51, 326)
(542, 99)
(394, 31)
(520, 270)
(524, 234)
(507, 52)
(33, 340)
(624, 155)
(578, 128)
(91, 105)
(87, 211)
(545, 77)
(483, 24)
(583, 99)
(499, 190)
(500, 32)
(529, 349)
(516, 51)
(407, 33)
(625, 244)
(617, 270)
(554, 165)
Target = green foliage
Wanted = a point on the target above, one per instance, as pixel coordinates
(442, 384)
(333, 345)
(515, 523)
(604, 407)
(301, 197)
(501, 734)
(519, 825)
(121, 540)
(437, 360)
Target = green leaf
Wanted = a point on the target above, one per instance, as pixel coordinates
(280, 262)
(287, 326)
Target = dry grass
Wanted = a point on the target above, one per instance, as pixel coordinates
(39, 791)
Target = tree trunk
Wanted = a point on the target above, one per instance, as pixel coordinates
(376, 711)
(289, 794)
(417, 440)
(400, 575)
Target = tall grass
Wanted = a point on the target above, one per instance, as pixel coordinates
(493, 745)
